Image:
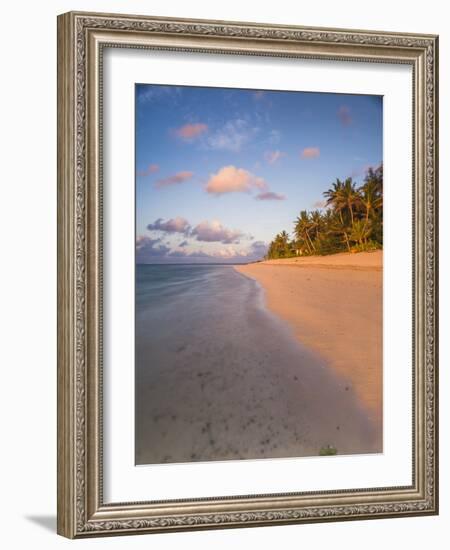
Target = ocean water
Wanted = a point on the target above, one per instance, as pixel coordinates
(219, 377)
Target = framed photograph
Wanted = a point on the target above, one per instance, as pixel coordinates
(247, 274)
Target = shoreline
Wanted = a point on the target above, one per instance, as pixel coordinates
(334, 306)
(365, 261)
(230, 380)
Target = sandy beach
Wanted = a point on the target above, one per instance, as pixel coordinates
(334, 305)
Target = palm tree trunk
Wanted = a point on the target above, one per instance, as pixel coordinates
(367, 216)
(312, 245)
(366, 221)
(343, 230)
(305, 238)
(346, 240)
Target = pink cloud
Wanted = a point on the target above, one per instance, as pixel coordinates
(191, 131)
(230, 179)
(273, 156)
(270, 196)
(310, 153)
(344, 115)
(214, 231)
(179, 177)
(151, 169)
(174, 225)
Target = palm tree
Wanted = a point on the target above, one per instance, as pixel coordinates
(334, 195)
(375, 175)
(370, 198)
(361, 231)
(336, 198)
(350, 197)
(330, 219)
(282, 244)
(316, 222)
(353, 215)
(302, 229)
(284, 240)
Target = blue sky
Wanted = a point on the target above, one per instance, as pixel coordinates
(220, 171)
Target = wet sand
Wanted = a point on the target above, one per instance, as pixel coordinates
(334, 305)
(220, 377)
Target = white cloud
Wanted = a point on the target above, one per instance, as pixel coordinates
(258, 249)
(148, 250)
(232, 136)
(274, 137)
(154, 92)
(153, 251)
(259, 94)
(273, 156)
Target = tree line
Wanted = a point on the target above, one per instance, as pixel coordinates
(352, 221)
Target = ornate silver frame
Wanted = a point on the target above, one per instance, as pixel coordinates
(81, 39)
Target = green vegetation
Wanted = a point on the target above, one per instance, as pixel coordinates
(352, 221)
(329, 450)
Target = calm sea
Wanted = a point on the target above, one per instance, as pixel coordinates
(219, 377)
(212, 309)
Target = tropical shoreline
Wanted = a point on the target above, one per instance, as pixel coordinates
(334, 306)
(230, 380)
